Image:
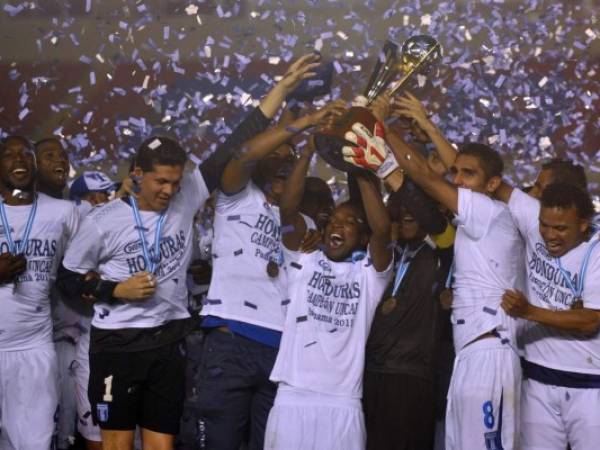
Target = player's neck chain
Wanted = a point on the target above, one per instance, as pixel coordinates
(150, 260)
(19, 247)
(577, 290)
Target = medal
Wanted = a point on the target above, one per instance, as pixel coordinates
(446, 298)
(388, 305)
(17, 248)
(272, 269)
(150, 260)
(577, 303)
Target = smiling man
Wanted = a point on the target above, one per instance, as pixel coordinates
(35, 230)
(333, 295)
(483, 399)
(140, 247)
(561, 393)
(53, 167)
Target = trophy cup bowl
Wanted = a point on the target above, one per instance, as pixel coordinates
(419, 54)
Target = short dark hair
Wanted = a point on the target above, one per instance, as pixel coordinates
(14, 137)
(489, 159)
(564, 196)
(47, 140)
(566, 171)
(159, 150)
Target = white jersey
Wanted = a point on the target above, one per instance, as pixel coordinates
(109, 243)
(25, 319)
(487, 262)
(547, 288)
(247, 235)
(328, 322)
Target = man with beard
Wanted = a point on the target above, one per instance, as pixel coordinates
(35, 231)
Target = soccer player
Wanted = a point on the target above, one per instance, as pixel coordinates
(35, 230)
(333, 295)
(561, 392)
(52, 171)
(558, 171)
(87, 191)
(483, 399)
(141, 318)
(244, 310)
(400, 369)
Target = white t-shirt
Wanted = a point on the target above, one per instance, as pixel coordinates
(487, 262)
(547, 288)
(247, 234)
(108, 242)
(25, 318)
(328, 322)
(71, 319)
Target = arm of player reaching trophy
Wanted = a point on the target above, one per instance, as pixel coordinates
(379, 222)
(292, 223)
(293, 227)
(576, 320)
(372, 148)
(411, 108)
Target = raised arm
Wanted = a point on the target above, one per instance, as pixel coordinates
(256, 122)
(379, 222)
(416, 167)
(292, 223)
(410, 107)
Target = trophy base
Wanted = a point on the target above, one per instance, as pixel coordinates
(329, 141)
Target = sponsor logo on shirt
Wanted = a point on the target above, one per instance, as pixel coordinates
(171, 250)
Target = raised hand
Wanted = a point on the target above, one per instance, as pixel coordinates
(381, 107)
(327, 114)
(298, 71)
(411, 108)
(369, 149)
(139, 286)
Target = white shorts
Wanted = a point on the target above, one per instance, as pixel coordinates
(305, 420)
(552, 416)
(67, 410)
(28, 398)
(483, 398)
(81, 376)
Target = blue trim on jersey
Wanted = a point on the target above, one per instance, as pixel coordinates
(562, 378)
(265, 336)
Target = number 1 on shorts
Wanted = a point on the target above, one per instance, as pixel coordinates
(108, 389)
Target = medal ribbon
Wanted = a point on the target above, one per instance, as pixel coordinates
(577, 291)
(448, 283)
(403, 266)
(151, 263)
(20, 247)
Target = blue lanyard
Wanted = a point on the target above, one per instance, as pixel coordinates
(151, 262)
(577, 291)
(448, 283)
(403, 266)
(20, 247)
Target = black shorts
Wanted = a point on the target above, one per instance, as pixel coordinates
(144, 388)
